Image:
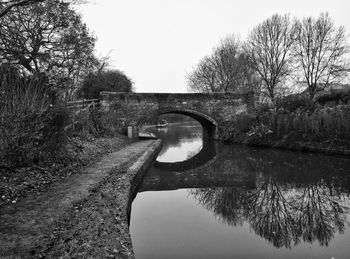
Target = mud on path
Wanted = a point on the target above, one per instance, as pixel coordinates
(83, 216)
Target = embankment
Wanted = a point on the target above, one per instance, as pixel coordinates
(316, 129)
(86, 215)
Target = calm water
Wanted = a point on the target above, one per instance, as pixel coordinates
(201, 200)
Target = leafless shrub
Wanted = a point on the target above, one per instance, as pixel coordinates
(30, 127)
(331, 123)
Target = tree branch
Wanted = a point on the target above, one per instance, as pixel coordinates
(13, 4)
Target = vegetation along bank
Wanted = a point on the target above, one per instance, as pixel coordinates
(295, 123)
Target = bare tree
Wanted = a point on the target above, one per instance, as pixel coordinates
(226, 69)
(320, 51)
(268, 49)
(48, 38)
(226, 60)
(7, 6)
(203, 77)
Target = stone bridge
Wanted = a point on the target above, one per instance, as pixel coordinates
(209, 109)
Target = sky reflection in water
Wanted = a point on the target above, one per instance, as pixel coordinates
(248, 203)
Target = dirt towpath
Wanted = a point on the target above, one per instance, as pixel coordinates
(84, 216)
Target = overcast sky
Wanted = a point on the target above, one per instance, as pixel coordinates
(156, 42)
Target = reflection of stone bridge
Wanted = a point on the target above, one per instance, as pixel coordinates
(160, 180)
(209, 109)
(284, 197)
(203, 170)
(206, 154)
(206, 169)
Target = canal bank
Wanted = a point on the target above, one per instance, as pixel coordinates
(292, 141)
(85, 215)
(292, 126)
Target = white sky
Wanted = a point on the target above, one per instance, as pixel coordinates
(156, 42)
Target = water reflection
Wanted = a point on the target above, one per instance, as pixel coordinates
(197, 155)
(181, 141)
(296, 202)
(290, 198)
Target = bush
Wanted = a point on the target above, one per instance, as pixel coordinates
(262, 108)
(30, 129)
(236, 129)
(324, 123)
(294, 102)
(89, 122)
(295, 119)
(110, 80)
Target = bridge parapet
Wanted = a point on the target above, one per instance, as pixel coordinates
(210, 109)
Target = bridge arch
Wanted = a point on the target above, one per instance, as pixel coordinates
(211, 110)
(209, 125)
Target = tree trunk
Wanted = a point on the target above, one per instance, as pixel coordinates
(312, 90)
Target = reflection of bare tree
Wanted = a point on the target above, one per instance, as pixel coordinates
(285, 197)
(269, 213)
(320, 214)
(224, 202)
(283, 216)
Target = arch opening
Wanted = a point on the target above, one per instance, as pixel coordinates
(182, 137)
(209, 125)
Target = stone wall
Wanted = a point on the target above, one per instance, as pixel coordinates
(210, 109)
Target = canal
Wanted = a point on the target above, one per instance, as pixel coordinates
(202, 199)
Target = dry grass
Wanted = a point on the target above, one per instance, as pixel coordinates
(30, 129)
(322, 123)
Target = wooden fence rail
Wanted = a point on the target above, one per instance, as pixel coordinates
(82, 104)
